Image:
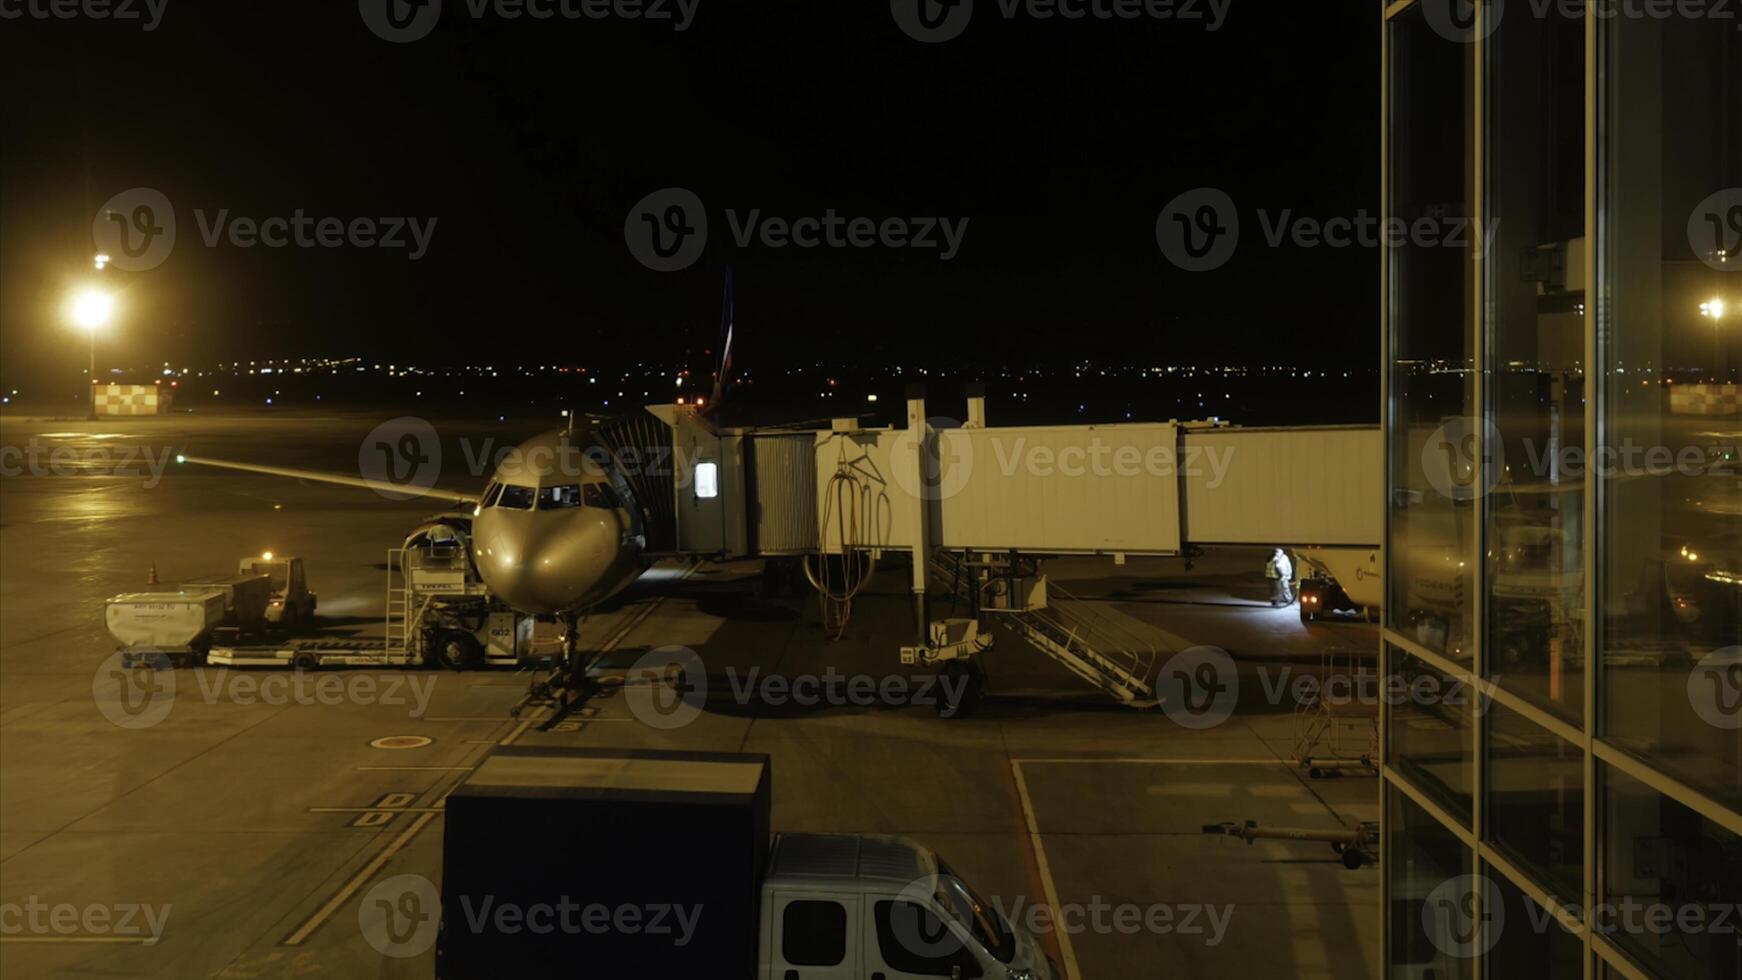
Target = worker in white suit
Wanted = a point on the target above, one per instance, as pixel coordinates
(1280, 571)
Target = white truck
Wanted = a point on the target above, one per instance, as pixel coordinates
(650, 863)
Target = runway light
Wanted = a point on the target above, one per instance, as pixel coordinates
(90, 308)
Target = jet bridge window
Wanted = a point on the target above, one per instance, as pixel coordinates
(560, 498)
(707, 479)
(516, 498)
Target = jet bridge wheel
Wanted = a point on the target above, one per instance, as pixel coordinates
(961, 686)
(457, 650)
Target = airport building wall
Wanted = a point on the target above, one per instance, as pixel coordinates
(1561, 777)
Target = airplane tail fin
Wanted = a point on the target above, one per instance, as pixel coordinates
(725, 364)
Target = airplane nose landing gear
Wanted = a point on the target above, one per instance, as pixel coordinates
(567, 684)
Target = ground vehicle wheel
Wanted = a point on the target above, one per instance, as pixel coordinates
(961, 685)
(1353, 859)
(305, 660)
(457, 650)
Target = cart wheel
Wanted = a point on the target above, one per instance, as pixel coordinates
(960, 688)
(1353, 858)
(304, 660)
(457, 650)
(1316, 773)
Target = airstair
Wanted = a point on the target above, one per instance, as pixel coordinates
(1087, 642)
(406, 605)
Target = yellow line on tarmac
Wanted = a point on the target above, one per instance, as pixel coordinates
(344, 894)
(1052, 898)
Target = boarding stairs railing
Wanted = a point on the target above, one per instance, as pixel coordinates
(1096, 647)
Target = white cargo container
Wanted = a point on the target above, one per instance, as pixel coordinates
(165, 621)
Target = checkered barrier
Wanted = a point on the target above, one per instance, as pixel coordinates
(1705, 400)
(132, 399)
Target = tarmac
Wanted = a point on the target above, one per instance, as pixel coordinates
(240, 823)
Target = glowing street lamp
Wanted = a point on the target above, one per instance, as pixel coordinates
(1714, 310)
(90, 310)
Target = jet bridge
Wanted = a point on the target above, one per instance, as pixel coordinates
(1152, 488)
(991, 499)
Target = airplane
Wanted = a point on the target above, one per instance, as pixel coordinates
(566, 519)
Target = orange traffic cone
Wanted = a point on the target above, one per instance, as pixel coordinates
(152, 578)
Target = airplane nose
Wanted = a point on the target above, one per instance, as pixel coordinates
(538, 561)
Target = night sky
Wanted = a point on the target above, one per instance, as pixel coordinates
(528, 141)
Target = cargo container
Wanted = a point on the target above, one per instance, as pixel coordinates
(642, 863)
(164, 621)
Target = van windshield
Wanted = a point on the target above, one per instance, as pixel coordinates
(983, 920)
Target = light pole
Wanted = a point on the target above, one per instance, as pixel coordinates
(89, 309)
(1714, 310)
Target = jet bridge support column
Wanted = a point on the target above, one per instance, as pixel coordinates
(921, 513)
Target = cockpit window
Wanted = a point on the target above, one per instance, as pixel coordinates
(491, 494)
(601, 495)
(516, 498)
(558, 498)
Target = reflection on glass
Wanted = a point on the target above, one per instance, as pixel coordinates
(1536, 801)
(1430, 738)
(1673, 883)
(1431, 338)
(1535, 272)
(1671, 332)
(1532, 942)
(1420, 858)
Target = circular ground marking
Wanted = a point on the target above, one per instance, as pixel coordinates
(400, 742)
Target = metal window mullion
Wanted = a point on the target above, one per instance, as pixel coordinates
(1554, 724)
(1524, 882)
(1385, 424)
(1669, 786)
(1478, 600)
(1590, 543)
(1433, 807)
(1436, 660)
(1613, 955)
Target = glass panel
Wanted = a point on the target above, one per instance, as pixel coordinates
(1536, 801)
(1673, 881)
(1671, 334)
(1535, 305)
(1532, 943)
(814, 933)
(1432, 381)
(598, 495)
(559, 497)
(1430, 737)
(1422, 859)
(516, 498)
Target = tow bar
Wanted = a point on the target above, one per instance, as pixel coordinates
(1358, 847)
